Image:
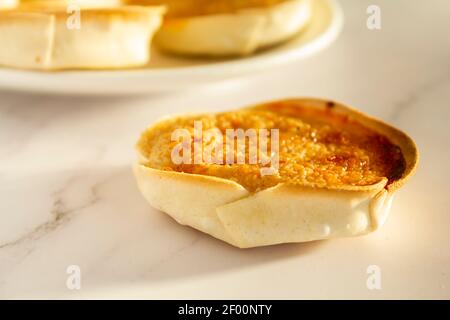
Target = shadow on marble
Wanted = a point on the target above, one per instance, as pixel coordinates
(156, 248)
(98, 220)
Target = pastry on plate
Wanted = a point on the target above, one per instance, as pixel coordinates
(51, 38)
(322, 171)
(228, 27)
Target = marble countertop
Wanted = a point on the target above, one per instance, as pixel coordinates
(68, 196)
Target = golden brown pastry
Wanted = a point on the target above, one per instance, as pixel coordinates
(336, 172)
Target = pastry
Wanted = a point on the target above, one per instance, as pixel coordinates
(327, 171)
(53, 38)
(228, 27)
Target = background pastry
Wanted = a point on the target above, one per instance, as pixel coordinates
(49, 38)
(224, 27)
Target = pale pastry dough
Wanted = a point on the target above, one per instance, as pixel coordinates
(240, 32)
(52, 39)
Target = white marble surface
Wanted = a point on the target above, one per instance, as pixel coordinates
(67, 194)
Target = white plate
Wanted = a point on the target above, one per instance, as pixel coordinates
(166, 73)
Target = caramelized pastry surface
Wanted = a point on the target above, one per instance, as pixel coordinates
(316, 147)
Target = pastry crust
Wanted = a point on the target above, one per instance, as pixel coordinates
(41, 38)
(285, 212)
(238, 32)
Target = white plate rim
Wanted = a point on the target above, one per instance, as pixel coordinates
(113, 81)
